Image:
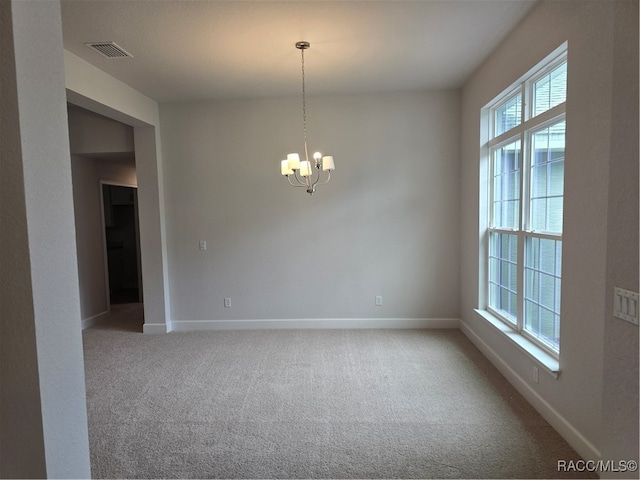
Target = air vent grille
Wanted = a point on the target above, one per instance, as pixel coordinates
(109, 49)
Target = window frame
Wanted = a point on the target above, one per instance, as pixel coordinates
(528, 125)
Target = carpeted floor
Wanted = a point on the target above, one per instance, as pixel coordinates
(306, 404)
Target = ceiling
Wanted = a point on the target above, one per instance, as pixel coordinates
(191, 50)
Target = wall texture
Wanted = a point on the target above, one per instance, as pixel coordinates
(573, 402)
(387, 223)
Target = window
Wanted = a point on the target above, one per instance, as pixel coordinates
(524, 187)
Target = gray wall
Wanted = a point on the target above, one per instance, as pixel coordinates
(101, 150)
(87, 174)
(90, 133)
(620, 383)
(387, 223)
(573, 402)
(43, 419)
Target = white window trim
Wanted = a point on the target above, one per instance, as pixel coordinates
(549, 363)
(516, 334)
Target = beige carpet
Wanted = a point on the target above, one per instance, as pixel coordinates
(306, 404)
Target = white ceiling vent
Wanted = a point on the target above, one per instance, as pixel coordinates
(109, 49)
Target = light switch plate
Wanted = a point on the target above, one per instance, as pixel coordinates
(625, 305)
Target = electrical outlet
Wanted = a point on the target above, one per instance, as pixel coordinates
(203, 244)
(536, 374)
(227, 303)
(378, 300)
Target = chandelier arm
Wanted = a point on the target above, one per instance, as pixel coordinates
(304, 181)
(317, 179)
(293, 184)
(299, 182)
(326, 181)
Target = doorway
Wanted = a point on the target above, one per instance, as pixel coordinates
(122, 243)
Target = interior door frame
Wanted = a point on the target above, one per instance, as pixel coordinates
(105, 256)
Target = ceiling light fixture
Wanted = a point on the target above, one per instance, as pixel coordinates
(293, 166)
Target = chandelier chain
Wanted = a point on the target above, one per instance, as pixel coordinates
(304, 109)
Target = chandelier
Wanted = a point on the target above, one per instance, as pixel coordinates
(302, 171)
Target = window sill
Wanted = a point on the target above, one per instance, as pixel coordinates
(549, 363)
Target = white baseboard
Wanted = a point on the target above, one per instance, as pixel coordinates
(572, 436)
(155, 328)
(91, 321)
(312, 323)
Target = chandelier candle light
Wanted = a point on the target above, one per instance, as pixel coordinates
(302, 171)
